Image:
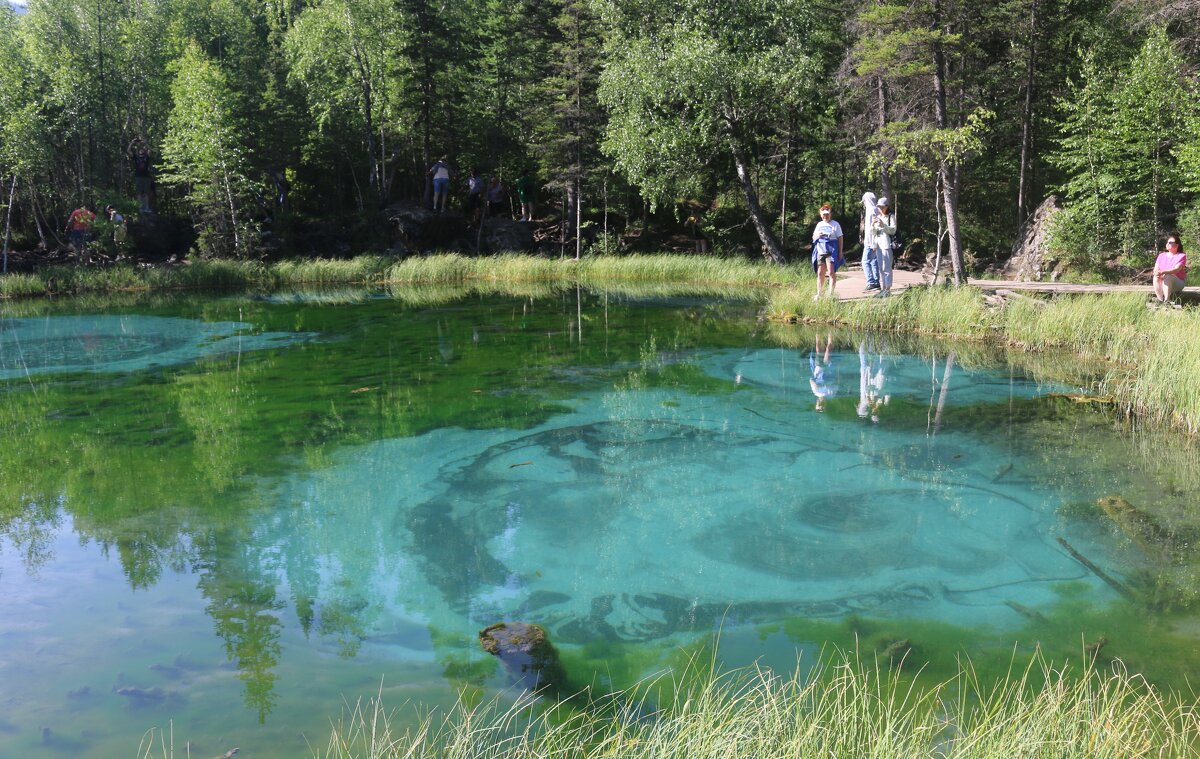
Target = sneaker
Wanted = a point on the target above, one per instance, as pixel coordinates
(872, 286)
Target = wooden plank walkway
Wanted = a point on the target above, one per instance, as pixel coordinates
(852, 285)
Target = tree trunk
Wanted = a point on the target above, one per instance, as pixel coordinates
(948, 172)
(937, 258)
(787, 162)
(881, 116)
(771, 250)
(368, 102)
(1027, 119)
(606, 215)
(12, 193)
(950, 204)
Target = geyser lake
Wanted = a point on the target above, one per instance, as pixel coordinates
(232, 517)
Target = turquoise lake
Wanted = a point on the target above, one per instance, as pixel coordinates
(232, 517)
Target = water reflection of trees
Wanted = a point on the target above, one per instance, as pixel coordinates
(155, 467)
(245, 611)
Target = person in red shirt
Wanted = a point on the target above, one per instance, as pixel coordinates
(79, 226)
(1170, 270)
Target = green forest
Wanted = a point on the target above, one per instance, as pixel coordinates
(274, 128)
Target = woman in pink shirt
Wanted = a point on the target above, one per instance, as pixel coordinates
(1170, 270)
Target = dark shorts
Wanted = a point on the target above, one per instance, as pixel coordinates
(496, 207)
(441, 185)
(824, 256)
(474, 201)
(142, 184)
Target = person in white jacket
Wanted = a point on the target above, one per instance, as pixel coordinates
(881, 228)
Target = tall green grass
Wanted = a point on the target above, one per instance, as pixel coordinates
(21, 286)
(849, 709)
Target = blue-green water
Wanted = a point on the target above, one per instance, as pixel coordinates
(235, 516)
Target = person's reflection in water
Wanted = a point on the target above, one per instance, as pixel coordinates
(824, 373)
(872, 376)
(877, 379)
(864, 381)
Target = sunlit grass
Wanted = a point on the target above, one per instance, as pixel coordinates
(21, 286)
(850, 709)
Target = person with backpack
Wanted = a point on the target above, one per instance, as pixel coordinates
(79, 227)
(527, 193)
(476, 186)
(441, 173)
(120, 231)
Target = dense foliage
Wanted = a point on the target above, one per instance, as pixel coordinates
(274, 122)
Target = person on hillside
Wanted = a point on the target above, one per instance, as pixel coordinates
(120, 232)
(495, 197)
(476, 186)
(827, 251)
(282, 188)
(882, 230)
(441, 172)
(1170, 270)
(870, 261)
(142, 181)
(79, 227)
(527, 193)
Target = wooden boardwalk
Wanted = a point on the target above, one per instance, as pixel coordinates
(852, 284)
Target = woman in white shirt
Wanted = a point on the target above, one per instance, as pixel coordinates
(827, 251)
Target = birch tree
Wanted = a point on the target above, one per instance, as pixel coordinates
(204, 158)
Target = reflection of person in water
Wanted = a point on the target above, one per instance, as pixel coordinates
(872, 376)
(824, 373)
(864, 381)
(876, 380)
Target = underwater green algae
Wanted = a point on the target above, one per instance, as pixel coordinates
(173, 470)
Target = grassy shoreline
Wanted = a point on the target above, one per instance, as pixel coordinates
(850, 708)
(1153, 357)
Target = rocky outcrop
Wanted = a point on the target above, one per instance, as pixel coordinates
(1031, 260)
(417, 229)
(527, 655)
(501, 235)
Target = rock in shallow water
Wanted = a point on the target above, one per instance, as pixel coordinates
(527, 655)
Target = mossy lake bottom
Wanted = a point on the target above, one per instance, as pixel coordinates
(235, 515)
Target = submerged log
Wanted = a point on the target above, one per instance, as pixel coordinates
(1139, 526)
(1101, 400)
(1025, 611)
(527, 655)
(1108, 579)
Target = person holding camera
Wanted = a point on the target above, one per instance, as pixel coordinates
(881, 228)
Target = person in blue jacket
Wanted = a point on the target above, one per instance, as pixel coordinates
(827, 251)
